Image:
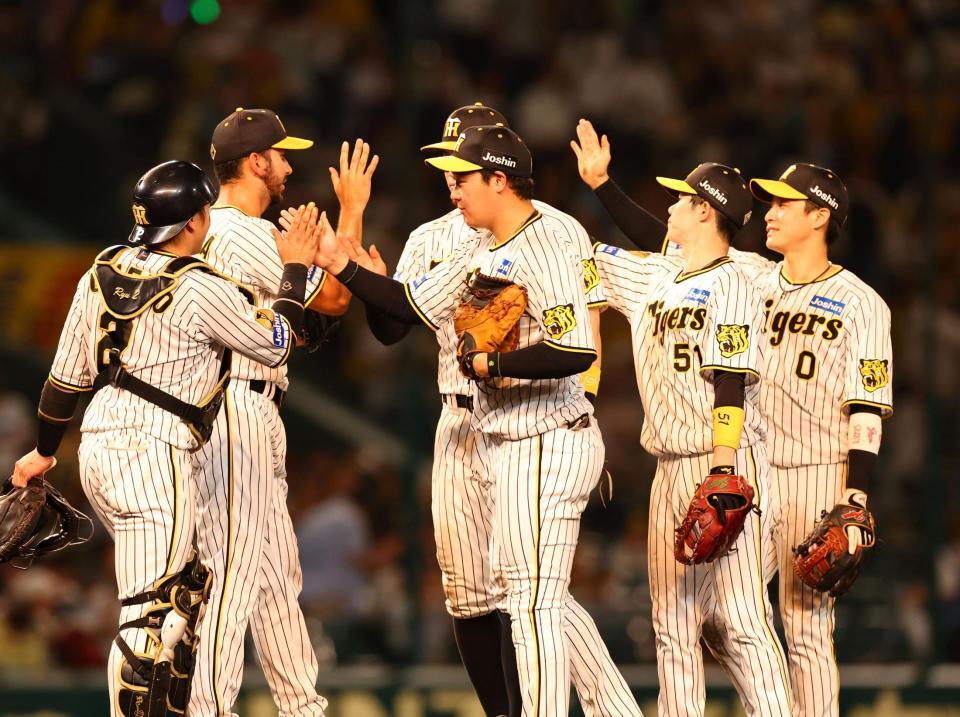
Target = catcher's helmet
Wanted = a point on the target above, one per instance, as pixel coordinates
(36, 520)
(166, 198)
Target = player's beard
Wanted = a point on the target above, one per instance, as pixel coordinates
(275, 185)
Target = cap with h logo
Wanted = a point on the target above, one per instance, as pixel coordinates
(490, 147)
(462, 118)
(246, 131)
(807, 181)
(722, 187)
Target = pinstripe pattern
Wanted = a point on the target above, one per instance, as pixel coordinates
(541, 259)
(733, 586)
(176, 350)
(244, 528)
(804, 416)
(243, 248)
(672, 360)
(136, 485)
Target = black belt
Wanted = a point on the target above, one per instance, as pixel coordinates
(264, 386)
(461, 400)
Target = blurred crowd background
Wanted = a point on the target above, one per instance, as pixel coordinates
(94, 92)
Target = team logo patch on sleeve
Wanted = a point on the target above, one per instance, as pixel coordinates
(732, 339)
(831, 306)
(591, 277)
(281, 332)
(559, 321)
(265, 317)
(699, 296)
(873, 373)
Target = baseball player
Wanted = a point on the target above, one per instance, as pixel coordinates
(150, 331)
(462, 499)
(541, 447)
(827, 384)
(695, 335)
(245, 535)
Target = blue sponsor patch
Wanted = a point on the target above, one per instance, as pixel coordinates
(504, 267)
(281, 332)
(607, 249)
(311, 272)
(699, 296)
(831, 306)
(418, 282)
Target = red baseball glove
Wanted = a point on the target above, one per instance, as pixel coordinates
(714, 519)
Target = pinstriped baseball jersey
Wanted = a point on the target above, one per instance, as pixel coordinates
(434, 242)
(827, 346)
(684, 326)
(176, 350)
(243, 248)
(537, 257)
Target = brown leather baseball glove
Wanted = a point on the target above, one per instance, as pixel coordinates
(823, 560)
(486, 319)
(714, 519)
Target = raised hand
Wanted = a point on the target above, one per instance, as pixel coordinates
(371, 260)
(298, 243)
(330, 254)
(353, 181)
(593, 154)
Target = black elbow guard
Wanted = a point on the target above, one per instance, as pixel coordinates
(56, 404)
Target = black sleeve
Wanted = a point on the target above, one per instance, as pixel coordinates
(860, 464)
(539, 361)
(385, 329)
(378, 291)
(55, 411)
(728, 388)
(49, 436)
(289, 301)
(641, 227)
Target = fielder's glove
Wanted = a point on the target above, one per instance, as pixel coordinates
(827, 560)
(714, 519)
(486, 320)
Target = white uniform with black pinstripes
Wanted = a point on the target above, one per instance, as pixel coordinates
(827, 347)
(683, 326)
(244, 530)
(462, 497)
(542, 470)
(136, 460)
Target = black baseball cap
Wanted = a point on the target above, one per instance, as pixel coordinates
(493, 147)
(245, 131)
(722, 187)
(463, 118)
(166, 198)
(807, 181)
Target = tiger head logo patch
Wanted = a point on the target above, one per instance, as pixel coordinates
(591, 277)
(732, 339)
(873, 373)
(559, 321)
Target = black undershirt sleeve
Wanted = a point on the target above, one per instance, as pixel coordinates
(289, 301)
(377, 291)
(641, 227)
(385, 329)
(861, 464)
(539, 361)
(728, 388)
(55, 411)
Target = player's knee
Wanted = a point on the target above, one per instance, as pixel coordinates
(157, 680)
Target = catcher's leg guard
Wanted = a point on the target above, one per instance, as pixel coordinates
(156, 683)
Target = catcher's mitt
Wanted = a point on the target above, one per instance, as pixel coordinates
(714, 519)
(486, 319)
(823, 560)
(36, 520)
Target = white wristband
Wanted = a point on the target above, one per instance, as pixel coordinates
(865, 432)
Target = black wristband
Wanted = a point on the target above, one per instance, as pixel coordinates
(289, 302)
(860, 465)
(722, 471)
(49, 436)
